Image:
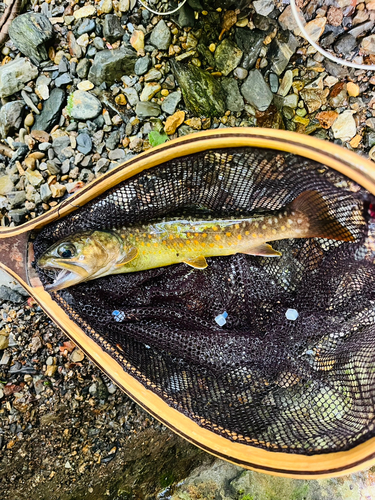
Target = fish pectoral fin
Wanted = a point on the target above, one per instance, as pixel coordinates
(130, 255)
(264, 250)
(197, 262)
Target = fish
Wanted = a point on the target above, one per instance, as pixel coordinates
(89, 255)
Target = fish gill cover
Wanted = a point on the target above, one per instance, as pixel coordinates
(300, 382)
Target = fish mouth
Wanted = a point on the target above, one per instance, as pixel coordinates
(63, 279)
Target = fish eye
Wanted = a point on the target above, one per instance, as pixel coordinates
(66, 250)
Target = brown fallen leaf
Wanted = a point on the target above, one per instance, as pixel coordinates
(229, 20)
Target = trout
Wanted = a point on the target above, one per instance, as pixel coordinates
(93, 254)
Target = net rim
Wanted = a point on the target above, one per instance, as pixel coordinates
(357, 168)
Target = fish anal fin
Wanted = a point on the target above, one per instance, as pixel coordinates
(131, 254)
(264, 250)
(197, 262)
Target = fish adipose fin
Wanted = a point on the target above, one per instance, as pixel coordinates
(198, 262)
(264, 250)
(130, 255)
(322, 223)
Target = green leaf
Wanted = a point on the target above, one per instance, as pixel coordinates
(157, 138)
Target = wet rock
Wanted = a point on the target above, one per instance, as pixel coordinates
(6, 184)
(142, 65)
(336, 70)
(45, 193)
(86, 26)
(240, 73)
(186, 16)
(361, 29)
(263, 7)
(15, 74)
(153, 75)
(149, 90)
(345, 44)
(86, 11)
(234, 99)
(344, 127)
(170, 103)
(314, 28)
(227, 56)
(203, 95)
(112, 29)
(131, 95)
(60, 143)
(173, 122)
(314, 98)
(368, 45)
(161, 36)
(83, 68)
(18, 215)
(51, 112)
(29, 32)
(282, 47)
(11, 115)
(84, 143)
(110, 65)
(256, 91)
(250, 42)
(286, 20)
(147, 109)
(64, 79)
(83, 105)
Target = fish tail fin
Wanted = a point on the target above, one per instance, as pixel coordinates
(322, 223)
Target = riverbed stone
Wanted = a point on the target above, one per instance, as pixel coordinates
(112, 29)
(282, 47)
(15, 74)
(170, 103)
(11, 115)
(51, 111)
(110, 65)
(203, 94)
(147, 109)
(227, 56)
(161, 36)
(234, 99)
(256, 91)
(83, 106)
(29, 32)
(250, 42)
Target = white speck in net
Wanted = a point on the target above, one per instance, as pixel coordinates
(291, 314)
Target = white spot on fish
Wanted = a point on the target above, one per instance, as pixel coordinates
(81, 257)
(299, 221)
(290, 221)
(275, 221)
(291, 314)
(269, 221)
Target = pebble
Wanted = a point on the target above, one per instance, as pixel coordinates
(344, 126)
(15, 74)
(112, 29)
(6, 185)
(368, 45)
(83, 105)
(11, 116)
(251, 43)
(51, 111)
(110, 65)
(264, 7)
(85, 85)
(256, 91)
(84, 143)
(142, 65)
(286, 83)
(170, 103)
(227, 56)
(149, 90)
(77, 355)
(86, 11)
(57, 190)
(161, 36)
(173, 122)
(314, 28)
(147, 109)
(352, 89)
(137, 40)
(234, 99)
(131, 95)
(29, 120)
(240, 73)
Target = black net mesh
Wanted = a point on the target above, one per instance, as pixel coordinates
(303, 386)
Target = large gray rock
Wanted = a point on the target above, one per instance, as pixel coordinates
(170, 102)
(161, 36)
(110, 65)
(256, 91)
(234, 99)
(227, 56)
(11, 115)
(83, 106)
(51, 112)
(29, 32)
(15, 74)
(203, 94)
(250, 42)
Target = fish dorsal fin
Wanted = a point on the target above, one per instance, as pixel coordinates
(131, 254)
(197, 262)
(264, 250)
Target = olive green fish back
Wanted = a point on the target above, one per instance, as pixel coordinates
(297, 386)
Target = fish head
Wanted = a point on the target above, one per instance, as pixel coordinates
(81, 257)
